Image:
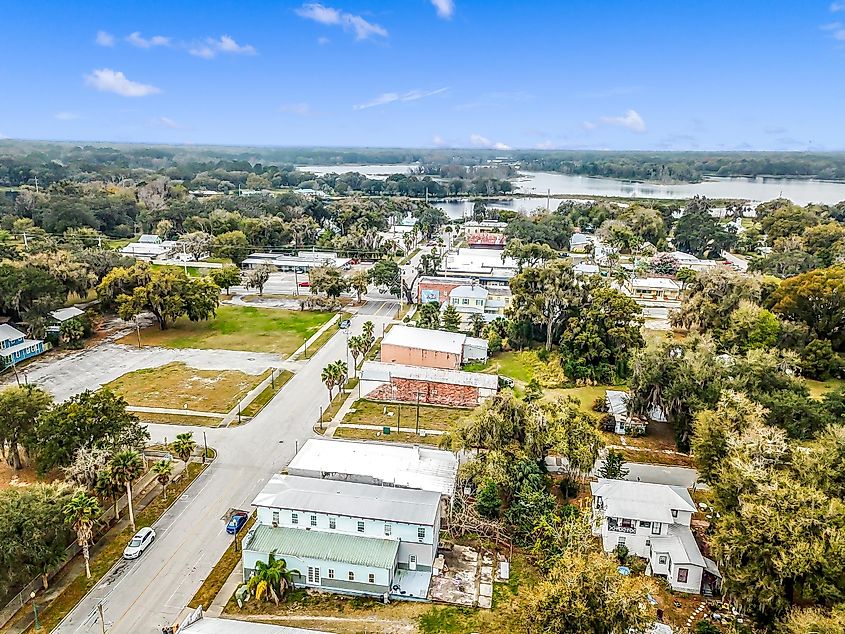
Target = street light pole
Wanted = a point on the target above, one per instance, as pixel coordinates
(418, 412)
(102, 618)
(35, 611)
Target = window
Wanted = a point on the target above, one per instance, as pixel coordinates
(674, 512)
(479, 302)
(599, 503)
(331, 573)
(313, 575)
(645, 524)
(620, 541)
(683, 575)
(655, 528)
(360, 527)
(332, 523)
(465, 301)
(648, 542)
(627, 523)
(313, 520)
(420, 533)
(351, 576)
(662, 560)
(456, 301)
(275, 517)
(371, 578)
(294, 518)
(388, 529)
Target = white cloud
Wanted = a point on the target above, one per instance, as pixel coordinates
(544, 145)
(390, 97)
(837, 30)
(104, 38)
(65, 116)
(445, 8)
(164, 122)
(322, 41)
(210, 47)
(135, 39)
(438, 140)
(335, 17)
(835, 7)
(631, 120)
(300, 109)
(107, 80)
(482, 141)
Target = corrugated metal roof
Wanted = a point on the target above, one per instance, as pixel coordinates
(409, 466)
(412, 506)
(9, 332)
(325, 545)
(378, 371)
(63, 314)
(681, 546)
(425, 339)
(642, 500)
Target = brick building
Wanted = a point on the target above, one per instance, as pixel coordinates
(433, 386)
(431, 348)
(484, 240)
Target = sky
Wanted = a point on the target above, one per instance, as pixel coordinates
(562, 74)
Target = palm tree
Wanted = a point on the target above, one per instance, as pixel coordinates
(369, 332)
(341, 373)
(357, 347)
(163, 470)
(327, 376)
(125, 467)
(184, 445)
(272, 579)
(107, 486)
(81, 512)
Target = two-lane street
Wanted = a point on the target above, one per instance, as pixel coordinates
(144, 595)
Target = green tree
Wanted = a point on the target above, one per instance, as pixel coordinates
(72, 332)
(825, 241)
(528, 254)
(613, 466)
(368, 330)
(711, 296)
(813, 620)
(359, 281)
(20, 408)
(126, 466)
(258, 277)
(585, 594)
(430, 219)
(817, 299)
(163, 470)
(599, 342)
(184, 445)
(700, 234)
(358, 346)
(428, 316)
(819, 361)
(385, 275)
(329, 280)
(477, 324)
(82, 512)
(451, 318)
(90, 419)
(233, 245)
(750, 327)
(328, 375)
(488, 502)
(271, 579)
(226, 277)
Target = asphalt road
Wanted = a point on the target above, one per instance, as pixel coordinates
(145, 594)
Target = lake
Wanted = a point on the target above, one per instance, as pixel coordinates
(801, 191)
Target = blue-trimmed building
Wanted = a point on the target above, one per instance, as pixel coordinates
(15, 347)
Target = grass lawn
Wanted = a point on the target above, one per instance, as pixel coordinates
(586, 395)
(524, 365)
(220, 573)
(374, 434)
(179, 419)
(239, 328)
(102, 562)
(177, 385)
(267, 395)
(367, 412)
(820, 388)
(330, 332)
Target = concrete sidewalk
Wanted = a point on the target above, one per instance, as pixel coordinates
(219, 604)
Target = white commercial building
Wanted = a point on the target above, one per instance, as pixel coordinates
(347, 537)
(151, 247)
(653, 522)
(484, 265)
(302, 260)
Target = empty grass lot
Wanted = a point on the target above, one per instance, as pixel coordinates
(372, 413)
(178, 386)
(239, 328)
(410, 438)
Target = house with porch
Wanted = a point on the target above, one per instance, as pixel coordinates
(60, 316)
(15, 347)
(347, 537)
(653, 522)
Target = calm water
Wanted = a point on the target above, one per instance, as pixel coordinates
(754, 189)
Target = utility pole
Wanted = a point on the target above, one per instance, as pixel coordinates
(102, 618)
(418, 412)
(205, 451)
(138, 330)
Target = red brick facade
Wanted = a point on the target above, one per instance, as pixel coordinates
(405, 391)
(425, 288)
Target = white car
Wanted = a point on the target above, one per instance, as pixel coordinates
(143, 538)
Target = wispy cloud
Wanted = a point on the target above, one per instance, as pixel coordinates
(104, 38)
(617, 91)
(322, 41)
(836, 29)
(108, 80)
(438, 141)
(482, 141)
(300, 109)
(136, 39)
(498, 99)
(836, 7)
(445, 8)
(65, 116)
(544, 145)
(390, 97)
(330, 16)
(163, 122)
(225, 44)
(631, 120)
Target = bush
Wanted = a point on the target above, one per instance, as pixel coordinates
(819, 361)
(600, 404)
(488, 502)
(621, 552)
(705, 627)
(494, 342)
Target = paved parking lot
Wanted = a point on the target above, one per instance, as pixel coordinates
(89, 369)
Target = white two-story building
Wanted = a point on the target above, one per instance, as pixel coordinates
(347, 537)
(653, 522)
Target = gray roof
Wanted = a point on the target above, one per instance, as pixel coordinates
(642, 500)
(425, 339)
(681, 546)
(410, 466)
(149, 238)
(63, 314)
(208, 625)
(378, 371)
(8, 332)
(469, 291)
(351, 499)
(323, 545)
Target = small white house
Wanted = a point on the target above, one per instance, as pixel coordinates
(347, 537)
(653, 522)
(58, 317)
(150, 247)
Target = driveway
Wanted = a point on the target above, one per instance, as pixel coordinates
(90, 368)
(145, 594)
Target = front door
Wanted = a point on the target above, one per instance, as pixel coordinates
(412, 562)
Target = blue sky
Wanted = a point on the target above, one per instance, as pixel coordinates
(571, 74)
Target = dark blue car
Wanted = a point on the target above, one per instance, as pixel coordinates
(236, 523)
